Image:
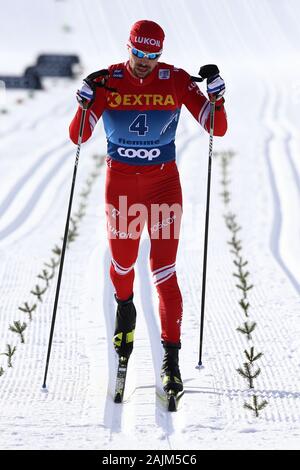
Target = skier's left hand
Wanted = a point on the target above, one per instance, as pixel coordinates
(215, 87)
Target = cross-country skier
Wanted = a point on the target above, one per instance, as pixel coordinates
(140, 101)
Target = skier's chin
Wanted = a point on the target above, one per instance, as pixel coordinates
(142, 72)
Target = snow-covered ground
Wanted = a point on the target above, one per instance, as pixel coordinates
(256, 45)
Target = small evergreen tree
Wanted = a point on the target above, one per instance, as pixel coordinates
(27, 309)
(46, 276)
(256, 407)
(248, 374)
(247, 328)
(39, 292)
(18, 328)
(10, 351)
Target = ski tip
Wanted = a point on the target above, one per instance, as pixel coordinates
(118, 398)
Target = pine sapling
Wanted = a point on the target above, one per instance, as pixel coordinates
(243, 282)
(99, 161)
(82, 206)
(19, 328)
(256, 407)
(236, 244)
(242, 275)
(39, 292)
(248, 374)
(224, 181)
(230, 154)
(226, 196)
(240, 263)
(231, 223)
(79, 215)
(53, 264)
(245, 306)
(27, 309)
(72, 234)
(94, 174)
(251, 357)
(46, 276)
(10, 351)
(56, 250)
(84, 193)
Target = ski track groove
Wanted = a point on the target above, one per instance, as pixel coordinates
(278, 217)
(64, 391)
(13, 193)
(35, 196)
(60, 110)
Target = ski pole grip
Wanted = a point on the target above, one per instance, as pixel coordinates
(206, 71)
(98, 74)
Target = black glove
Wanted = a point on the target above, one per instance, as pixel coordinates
(215, 84)
(86, 94)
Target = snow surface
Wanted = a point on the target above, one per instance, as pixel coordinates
(256, 45)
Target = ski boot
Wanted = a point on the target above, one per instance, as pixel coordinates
(124, 327)
(170, 373)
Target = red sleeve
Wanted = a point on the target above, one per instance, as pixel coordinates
(92, 116)
(199, 105)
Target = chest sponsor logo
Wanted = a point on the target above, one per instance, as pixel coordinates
(139, 153)
(115, 99)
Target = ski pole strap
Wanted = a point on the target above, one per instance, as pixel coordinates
(206, 71)
(196, 79)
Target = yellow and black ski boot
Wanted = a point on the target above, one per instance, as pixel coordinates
(124, 327)
(170, 373)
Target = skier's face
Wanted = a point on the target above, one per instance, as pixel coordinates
(141, 67)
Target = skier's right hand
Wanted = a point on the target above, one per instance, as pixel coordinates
(85, 95)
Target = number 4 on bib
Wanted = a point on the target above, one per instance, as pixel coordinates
(139, 125)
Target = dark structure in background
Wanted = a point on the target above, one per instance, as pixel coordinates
(30, 82)
(47, 65)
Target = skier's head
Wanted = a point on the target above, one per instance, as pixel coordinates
(147, 36)
(145, 47)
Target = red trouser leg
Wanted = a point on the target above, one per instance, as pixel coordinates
(163, 228)
(149, 188)
(123, 244)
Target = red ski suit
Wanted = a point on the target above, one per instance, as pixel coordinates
(140, 121)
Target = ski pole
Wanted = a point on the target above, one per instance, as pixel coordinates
(206, 71)
(211, 134)
(61, 265)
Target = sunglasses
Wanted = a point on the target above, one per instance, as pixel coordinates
(148, 55)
